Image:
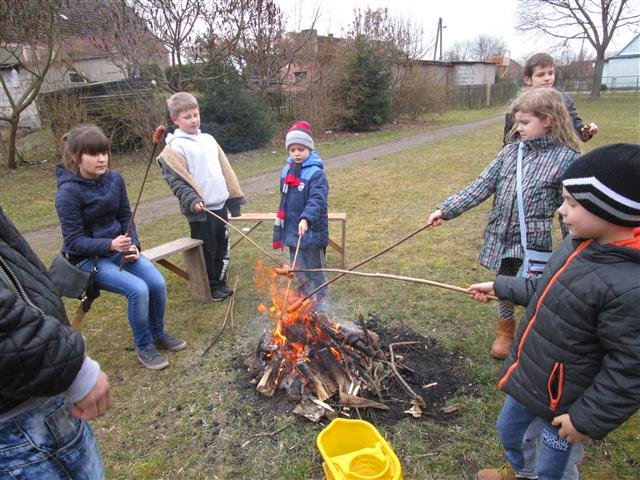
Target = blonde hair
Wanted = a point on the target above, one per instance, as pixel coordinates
(179, 102)
(81, 139)
(547, 103)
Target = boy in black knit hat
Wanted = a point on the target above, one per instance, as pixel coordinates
(573, 373)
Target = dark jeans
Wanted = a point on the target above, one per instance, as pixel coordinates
(311, 258)
(216, 246)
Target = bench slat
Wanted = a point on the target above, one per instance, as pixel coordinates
(171, 248)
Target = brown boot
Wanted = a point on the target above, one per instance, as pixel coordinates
(504, 338)
(505, 472)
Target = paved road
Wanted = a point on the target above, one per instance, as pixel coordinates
(47, 237)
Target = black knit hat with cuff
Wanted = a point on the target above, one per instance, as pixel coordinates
(606, 181)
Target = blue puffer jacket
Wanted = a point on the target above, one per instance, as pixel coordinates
(308, 201)
(92, 212)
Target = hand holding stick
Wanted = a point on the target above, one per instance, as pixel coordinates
(280, 264)
(397, 277)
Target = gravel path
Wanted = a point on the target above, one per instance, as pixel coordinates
(48, 237)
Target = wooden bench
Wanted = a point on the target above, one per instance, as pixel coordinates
(258, 218)
(196, 273)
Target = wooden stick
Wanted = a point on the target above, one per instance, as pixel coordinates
(295, 259)
(280, 264)
(393, 277)
(158, 134)
(299, 303)
(224, 322)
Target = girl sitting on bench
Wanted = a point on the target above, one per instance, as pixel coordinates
(94, 213)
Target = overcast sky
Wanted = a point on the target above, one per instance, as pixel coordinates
(463, 19)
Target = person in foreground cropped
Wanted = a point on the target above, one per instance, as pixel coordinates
(49, 387)
(94, 213)
(573, 372)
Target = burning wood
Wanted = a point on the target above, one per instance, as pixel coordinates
(321, 364)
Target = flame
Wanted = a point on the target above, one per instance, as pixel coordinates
(293, 332)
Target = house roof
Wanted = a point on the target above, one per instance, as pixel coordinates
(623, 54)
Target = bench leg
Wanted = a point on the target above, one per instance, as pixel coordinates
(198, 278)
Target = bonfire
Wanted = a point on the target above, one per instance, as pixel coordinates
(324, 365)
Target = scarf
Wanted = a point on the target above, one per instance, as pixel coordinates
(291, 179)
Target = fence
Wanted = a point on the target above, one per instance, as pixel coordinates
(479, 96)
(623, 83)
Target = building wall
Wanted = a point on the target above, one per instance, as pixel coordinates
(15, 81)
(474, 74)
(94, 70)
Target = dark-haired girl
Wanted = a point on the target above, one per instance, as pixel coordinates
(94, 213)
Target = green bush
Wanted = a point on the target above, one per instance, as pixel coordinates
(365, 90)
(234, 116)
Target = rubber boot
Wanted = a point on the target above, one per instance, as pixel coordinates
(504, 338)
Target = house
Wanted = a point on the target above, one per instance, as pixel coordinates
(86, 27)
(622, 70)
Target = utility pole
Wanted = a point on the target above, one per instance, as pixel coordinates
(438, 40)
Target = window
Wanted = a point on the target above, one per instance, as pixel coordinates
(75, 77)
(300, 77)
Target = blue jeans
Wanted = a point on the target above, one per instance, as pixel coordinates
(533, 447)
(48, 442)
(144, 287)
(309, 281)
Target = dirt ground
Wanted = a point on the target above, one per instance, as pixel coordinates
(49, 237)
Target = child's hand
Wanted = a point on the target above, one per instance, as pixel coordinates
(121, 244)
(436, 218)
(479, 291)
(303, 226)
(567, 431)
(132, 255)
(588, 131)
(198, 207)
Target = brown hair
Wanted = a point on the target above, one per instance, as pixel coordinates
(537, 60)
(87, 138)
(547, 103)
(179, 102)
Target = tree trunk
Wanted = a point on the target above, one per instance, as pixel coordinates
(597, 77)
(11, 150)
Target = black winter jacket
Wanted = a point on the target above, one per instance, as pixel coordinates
(577, 350)
(39, 357)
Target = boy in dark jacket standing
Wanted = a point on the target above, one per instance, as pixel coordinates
(200, 175)
(302, 214)
(539, 71)
(573, 373)
(49, 387)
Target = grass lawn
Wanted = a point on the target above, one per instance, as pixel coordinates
(193, 419)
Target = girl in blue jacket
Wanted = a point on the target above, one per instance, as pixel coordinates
(303, 211)
(94, 213)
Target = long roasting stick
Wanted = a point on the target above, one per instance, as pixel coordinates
(393, 277)
(281, 264)
(300, 302)
(295, 259)
(158, 134)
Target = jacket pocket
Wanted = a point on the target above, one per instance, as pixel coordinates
(555, 385)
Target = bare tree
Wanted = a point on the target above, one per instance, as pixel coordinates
(29, 42)
(191, 32)
(595, 20)
(480, 48)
